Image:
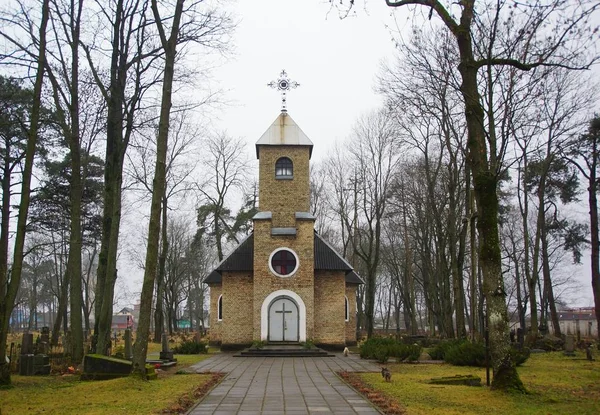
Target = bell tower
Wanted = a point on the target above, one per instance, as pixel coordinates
(283, 154)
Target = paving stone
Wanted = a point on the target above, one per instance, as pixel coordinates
(290, 386)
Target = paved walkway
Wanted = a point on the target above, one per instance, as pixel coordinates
(279, 385)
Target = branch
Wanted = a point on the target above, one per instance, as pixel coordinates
(434, 4)
(524, 66)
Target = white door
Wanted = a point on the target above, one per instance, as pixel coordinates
(283, 320)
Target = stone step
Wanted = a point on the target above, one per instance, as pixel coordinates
(284, 351)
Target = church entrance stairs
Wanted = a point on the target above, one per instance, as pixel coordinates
(284, 350)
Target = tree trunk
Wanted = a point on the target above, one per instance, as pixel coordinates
(595, 246)
(548, 284)
(485, 188)
(140, 349)
(74, 274)
(159, 315)
(60, 311)
(113, 179)
(8, 291)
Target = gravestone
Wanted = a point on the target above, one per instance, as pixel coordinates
(128, 348)
(100, 367)
(165, 353)
(29, 363)
(520, 337)
(41, 364)
(569, 346)
(44, 343)
(588, 353)
(26, 365)
(27, 343)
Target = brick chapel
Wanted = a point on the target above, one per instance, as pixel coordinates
(283, 283)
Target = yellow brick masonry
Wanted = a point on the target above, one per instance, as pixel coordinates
(302, 282)
(284, 197)
(237, 308)
(351, 323)
(215, 325)
(329, 309)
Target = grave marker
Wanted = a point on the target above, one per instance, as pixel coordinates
(569, 346)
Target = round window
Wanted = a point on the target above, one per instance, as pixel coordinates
(283, 262)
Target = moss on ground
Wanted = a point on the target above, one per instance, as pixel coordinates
(557, 384)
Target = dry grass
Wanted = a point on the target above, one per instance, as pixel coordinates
(557, 385)
(171, 393)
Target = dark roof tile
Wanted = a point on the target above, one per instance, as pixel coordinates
(242, 258)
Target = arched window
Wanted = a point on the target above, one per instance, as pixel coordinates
(284, 168)
(346, 309)
(220, 308)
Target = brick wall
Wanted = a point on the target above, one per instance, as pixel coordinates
(351, 323)
(215, 325)
(237, 308)
(284, 197)
(330, 327)
(265, 282)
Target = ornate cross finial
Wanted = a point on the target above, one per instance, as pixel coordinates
(283, 84)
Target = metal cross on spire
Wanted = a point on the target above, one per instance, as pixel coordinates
(283, 84)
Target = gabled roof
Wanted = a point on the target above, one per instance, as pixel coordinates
(242, 259)
(284, 132)
(353, 278)
(326, 258)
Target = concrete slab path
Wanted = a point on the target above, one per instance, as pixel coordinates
(282, 385)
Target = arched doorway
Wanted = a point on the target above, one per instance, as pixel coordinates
(283, 320)
(266, 309)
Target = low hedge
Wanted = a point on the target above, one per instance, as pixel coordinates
(381, 349)
(191, 347)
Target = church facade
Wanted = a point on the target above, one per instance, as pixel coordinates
(283, 283)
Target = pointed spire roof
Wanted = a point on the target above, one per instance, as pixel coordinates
(284, 132)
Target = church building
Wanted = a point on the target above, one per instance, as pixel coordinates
(283, 283)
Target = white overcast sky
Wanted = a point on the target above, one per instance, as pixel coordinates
(336, 63)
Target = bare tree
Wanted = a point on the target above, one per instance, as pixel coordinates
(207, 29)
(374, 151)
(584, 152)
(480, 46)
(228, 168)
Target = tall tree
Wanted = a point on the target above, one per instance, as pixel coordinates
(584, 152)
(206, 27)
(132, 56)
(10, 286)
(374, 151)
(480, 45)
(228, 168)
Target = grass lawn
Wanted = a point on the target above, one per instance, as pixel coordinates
(557, 385)
(68, 395)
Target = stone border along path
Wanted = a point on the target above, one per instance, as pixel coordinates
(282, 385)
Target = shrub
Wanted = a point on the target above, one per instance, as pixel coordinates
(438, 352)
(308, 344)
(191, 347)
(466, 354)
(382, 354)
(258, 344)
(381, 349)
